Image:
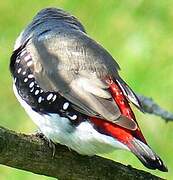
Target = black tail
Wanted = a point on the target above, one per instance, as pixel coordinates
(145, 154)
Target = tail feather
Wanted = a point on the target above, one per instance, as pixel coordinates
(145, 154)
(138, 147)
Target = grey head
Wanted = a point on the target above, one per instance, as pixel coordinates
(66, 60)
(48, 19)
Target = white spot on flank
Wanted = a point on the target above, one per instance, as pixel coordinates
(27, 58)
(66, 105)
(22, 53)
(39, 99)
(54, 97)
(74, 117)
(15, 79)
(24, 72)
(17, 60)
(30, 76)
(26, 79)
(41, 91)
(19, 70)
(31, 84)
(49, 96)
(32, 89)
(29, 63)
(37, 92)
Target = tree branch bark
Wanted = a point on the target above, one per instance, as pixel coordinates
(31, 153)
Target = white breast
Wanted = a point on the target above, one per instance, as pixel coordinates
(82, 138)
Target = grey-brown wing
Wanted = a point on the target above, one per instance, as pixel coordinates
(76, 67)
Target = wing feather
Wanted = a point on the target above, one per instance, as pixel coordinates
(128, 92)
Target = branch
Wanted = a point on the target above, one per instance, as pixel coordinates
(152, 108)
(31, 153)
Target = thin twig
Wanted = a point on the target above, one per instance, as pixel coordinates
(152, 107)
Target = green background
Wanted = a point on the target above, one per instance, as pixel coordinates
(138, 33)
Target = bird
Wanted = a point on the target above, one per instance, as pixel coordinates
(70, 87)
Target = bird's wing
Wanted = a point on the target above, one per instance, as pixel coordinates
(76, 66)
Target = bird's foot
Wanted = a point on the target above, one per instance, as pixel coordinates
(51, 144)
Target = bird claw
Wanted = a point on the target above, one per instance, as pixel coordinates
(40, 135)
(51, 144)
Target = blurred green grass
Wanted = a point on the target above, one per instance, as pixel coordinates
(139, 34)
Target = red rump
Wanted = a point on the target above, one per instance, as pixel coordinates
(122, 134)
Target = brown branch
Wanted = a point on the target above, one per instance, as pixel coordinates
(31, 153)
(153, 108)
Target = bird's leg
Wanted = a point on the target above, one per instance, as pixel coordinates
(51, 144)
